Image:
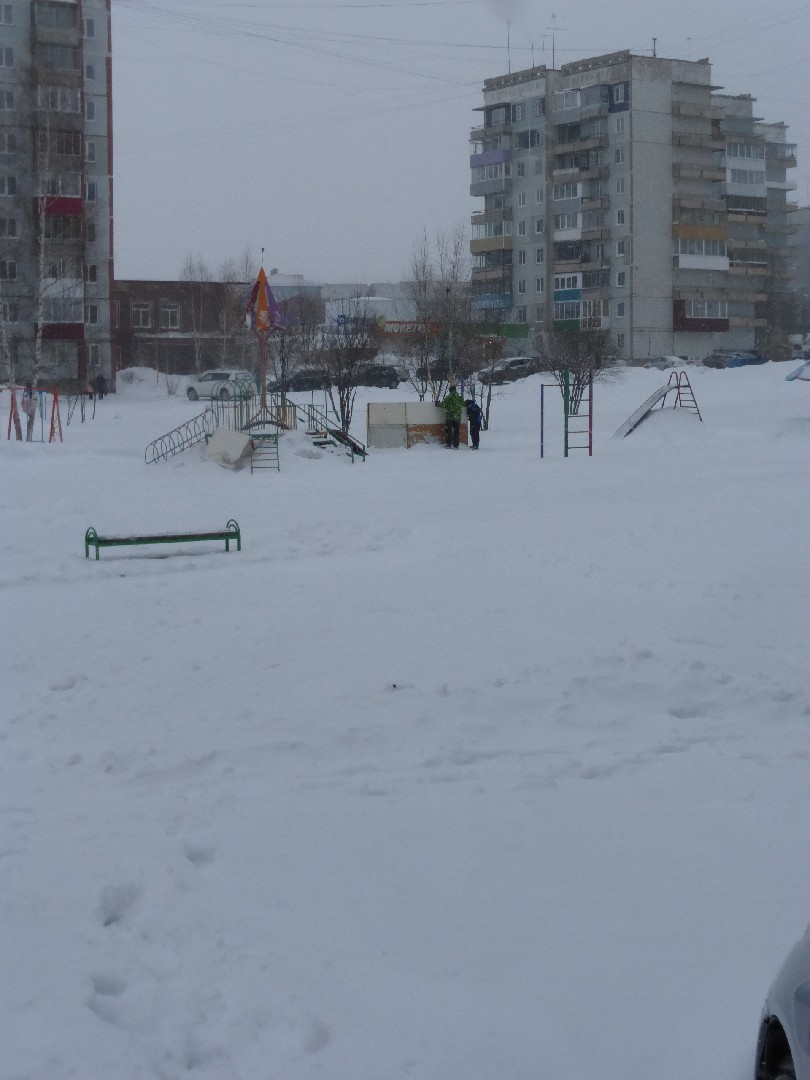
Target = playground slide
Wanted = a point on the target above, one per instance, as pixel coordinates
(632, 422)
(802, 373)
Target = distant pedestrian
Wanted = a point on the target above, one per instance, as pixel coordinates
(452, 405)
(100, 386)
(476, 418)
(29, 407)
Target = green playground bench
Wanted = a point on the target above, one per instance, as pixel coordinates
(230, 532)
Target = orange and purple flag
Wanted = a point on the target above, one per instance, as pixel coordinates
(262, 309)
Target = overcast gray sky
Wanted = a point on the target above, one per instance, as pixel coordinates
(333, 133)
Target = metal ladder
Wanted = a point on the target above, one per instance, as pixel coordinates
(265, 453)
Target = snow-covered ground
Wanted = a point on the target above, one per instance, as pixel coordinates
(467, 765)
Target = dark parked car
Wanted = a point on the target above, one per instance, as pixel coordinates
(509, 370)
(721, 359)
(380, 375)
(307, 379)
(783, 1048)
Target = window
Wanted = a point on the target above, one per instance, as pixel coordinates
(10, 312)
(706, 309)
(620, 185)
(518, 111)
(59, 269)
(521, 228)
(565, 191)
(59, 99)
(141, 316)
(566, 99)
(521, 169)
(620, 342)
(538, 195)
(8, 142)
(55, 16)
(539, 225)
(566, 281)
(491, 172)
(619, 125)
(8, 185)
(566, 311)
(62, 228)
(618, 93)
(538, 166)
(621, 277)
(620, 310)
(67, 184)
(91, 314)
(58, 57)
(521, 199)
(7, 14)
(540, 255)
(89, 28)
(539, 107)
(90, 231)
(746, 176)
(63, 143)
(8, 269)
(485, 230)
(539, 285)
(521, 258)
(618, 155)
(686, 245)
(566, 221)
(746, 150)
(91, 273)
(89, 110)
(538, 312)
(522, 286)
(62, 309)
(92, 355)
(170, 316)
(89, 151)
(6, 100)
(91, 190)
(6, 57)
(8, 227)
(621, 247)
(620, 217)
(520, 313)
(89, 72)
(497, 115)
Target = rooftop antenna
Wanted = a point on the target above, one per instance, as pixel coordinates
(654, 44)
(508, 47)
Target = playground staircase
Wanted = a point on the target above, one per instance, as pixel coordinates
(579, 425)
(684, 394)
(242, 415)
(265, 453)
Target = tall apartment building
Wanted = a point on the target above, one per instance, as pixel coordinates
(625, 192)
(56, 262)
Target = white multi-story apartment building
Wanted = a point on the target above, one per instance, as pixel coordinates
(624, 192)
(56, 264)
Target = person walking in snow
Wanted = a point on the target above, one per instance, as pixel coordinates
(476, 418)
(452, 405)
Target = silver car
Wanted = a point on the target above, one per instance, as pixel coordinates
(783, 1045)
(222, 383)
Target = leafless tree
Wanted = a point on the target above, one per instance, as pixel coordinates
(349, 344)
(438, 351)
(197, 273)
(580, 353)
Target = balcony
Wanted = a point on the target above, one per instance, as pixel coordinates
(595, 202)
(482, 275)
(694, 139)
(699, 109)
(682, 170)
(580, 145)
(491, 243)
(501, 186)
(483, 216)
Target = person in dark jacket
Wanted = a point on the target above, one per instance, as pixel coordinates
(476, 418)
(452, 405)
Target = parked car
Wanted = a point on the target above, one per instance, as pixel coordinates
(723, 359)
(509, 370)
(380, 375)
(305, 379)
(221, 383)
(783, 1048)
(662, 363)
